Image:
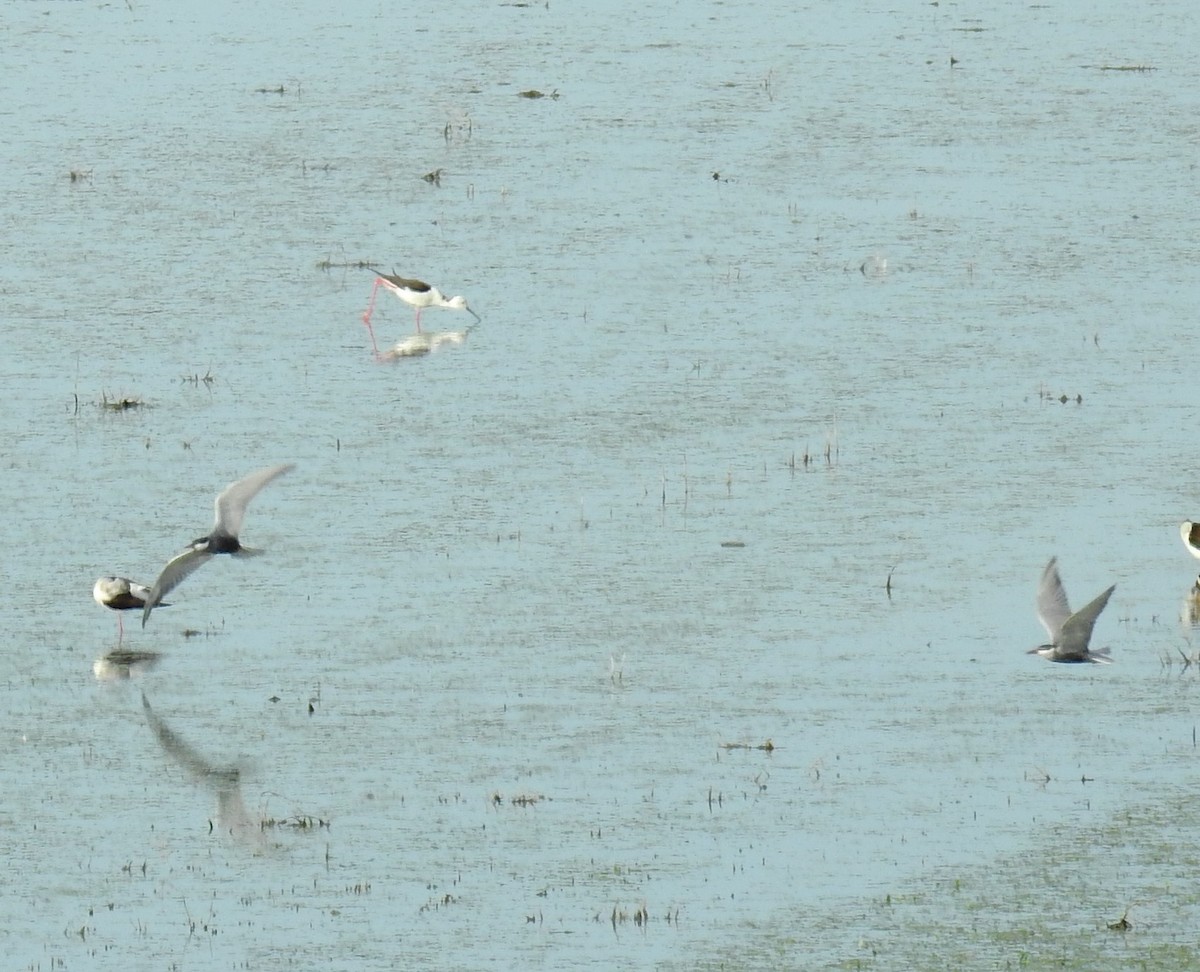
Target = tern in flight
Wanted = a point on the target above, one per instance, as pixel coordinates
(231, 509)
(1069, 633)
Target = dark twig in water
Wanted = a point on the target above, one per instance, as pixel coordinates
(211, 632)
(329, 264)
(299, 822)
(120, 404)
(766, 747)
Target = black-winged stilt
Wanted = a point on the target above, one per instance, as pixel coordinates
(1191, 539)
(415, 293)
(120, 594)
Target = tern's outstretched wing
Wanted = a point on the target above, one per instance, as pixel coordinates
(231, 503)
(1052, 607)
(176, 571)
(1077, 631)
(139, 591)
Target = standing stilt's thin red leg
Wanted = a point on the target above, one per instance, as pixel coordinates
(367, 318)
(374, 346)
(418, 320)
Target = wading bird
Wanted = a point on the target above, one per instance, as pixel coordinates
(121, 594)
(1191, 539)
(415, 293)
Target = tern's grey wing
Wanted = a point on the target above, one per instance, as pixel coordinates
(174, 574)
(231, 504)
(140, 591)
(1052, 606)
(1077, 630)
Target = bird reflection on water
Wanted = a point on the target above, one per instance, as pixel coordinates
(1189, 610)
(419, 345)
(122, 663)
(225, 781)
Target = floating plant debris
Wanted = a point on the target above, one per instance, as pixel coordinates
(120, 404)
(766, 747)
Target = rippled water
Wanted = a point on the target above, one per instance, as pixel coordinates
(572, 646)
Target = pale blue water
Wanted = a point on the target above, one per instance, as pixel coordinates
(473, 541)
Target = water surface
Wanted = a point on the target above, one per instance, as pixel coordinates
(499, 692)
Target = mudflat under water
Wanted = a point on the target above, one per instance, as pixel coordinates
(573, 645)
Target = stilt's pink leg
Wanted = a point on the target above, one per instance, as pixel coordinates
(418, 320)
(371, 304)
(367, 317)
(374, 346)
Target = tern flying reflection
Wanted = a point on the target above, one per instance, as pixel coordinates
(231, 510)
(225, 782)
(1069, 633)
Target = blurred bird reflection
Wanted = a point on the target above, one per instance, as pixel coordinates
(225, 781)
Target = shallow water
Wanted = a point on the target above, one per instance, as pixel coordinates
(792, 281)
